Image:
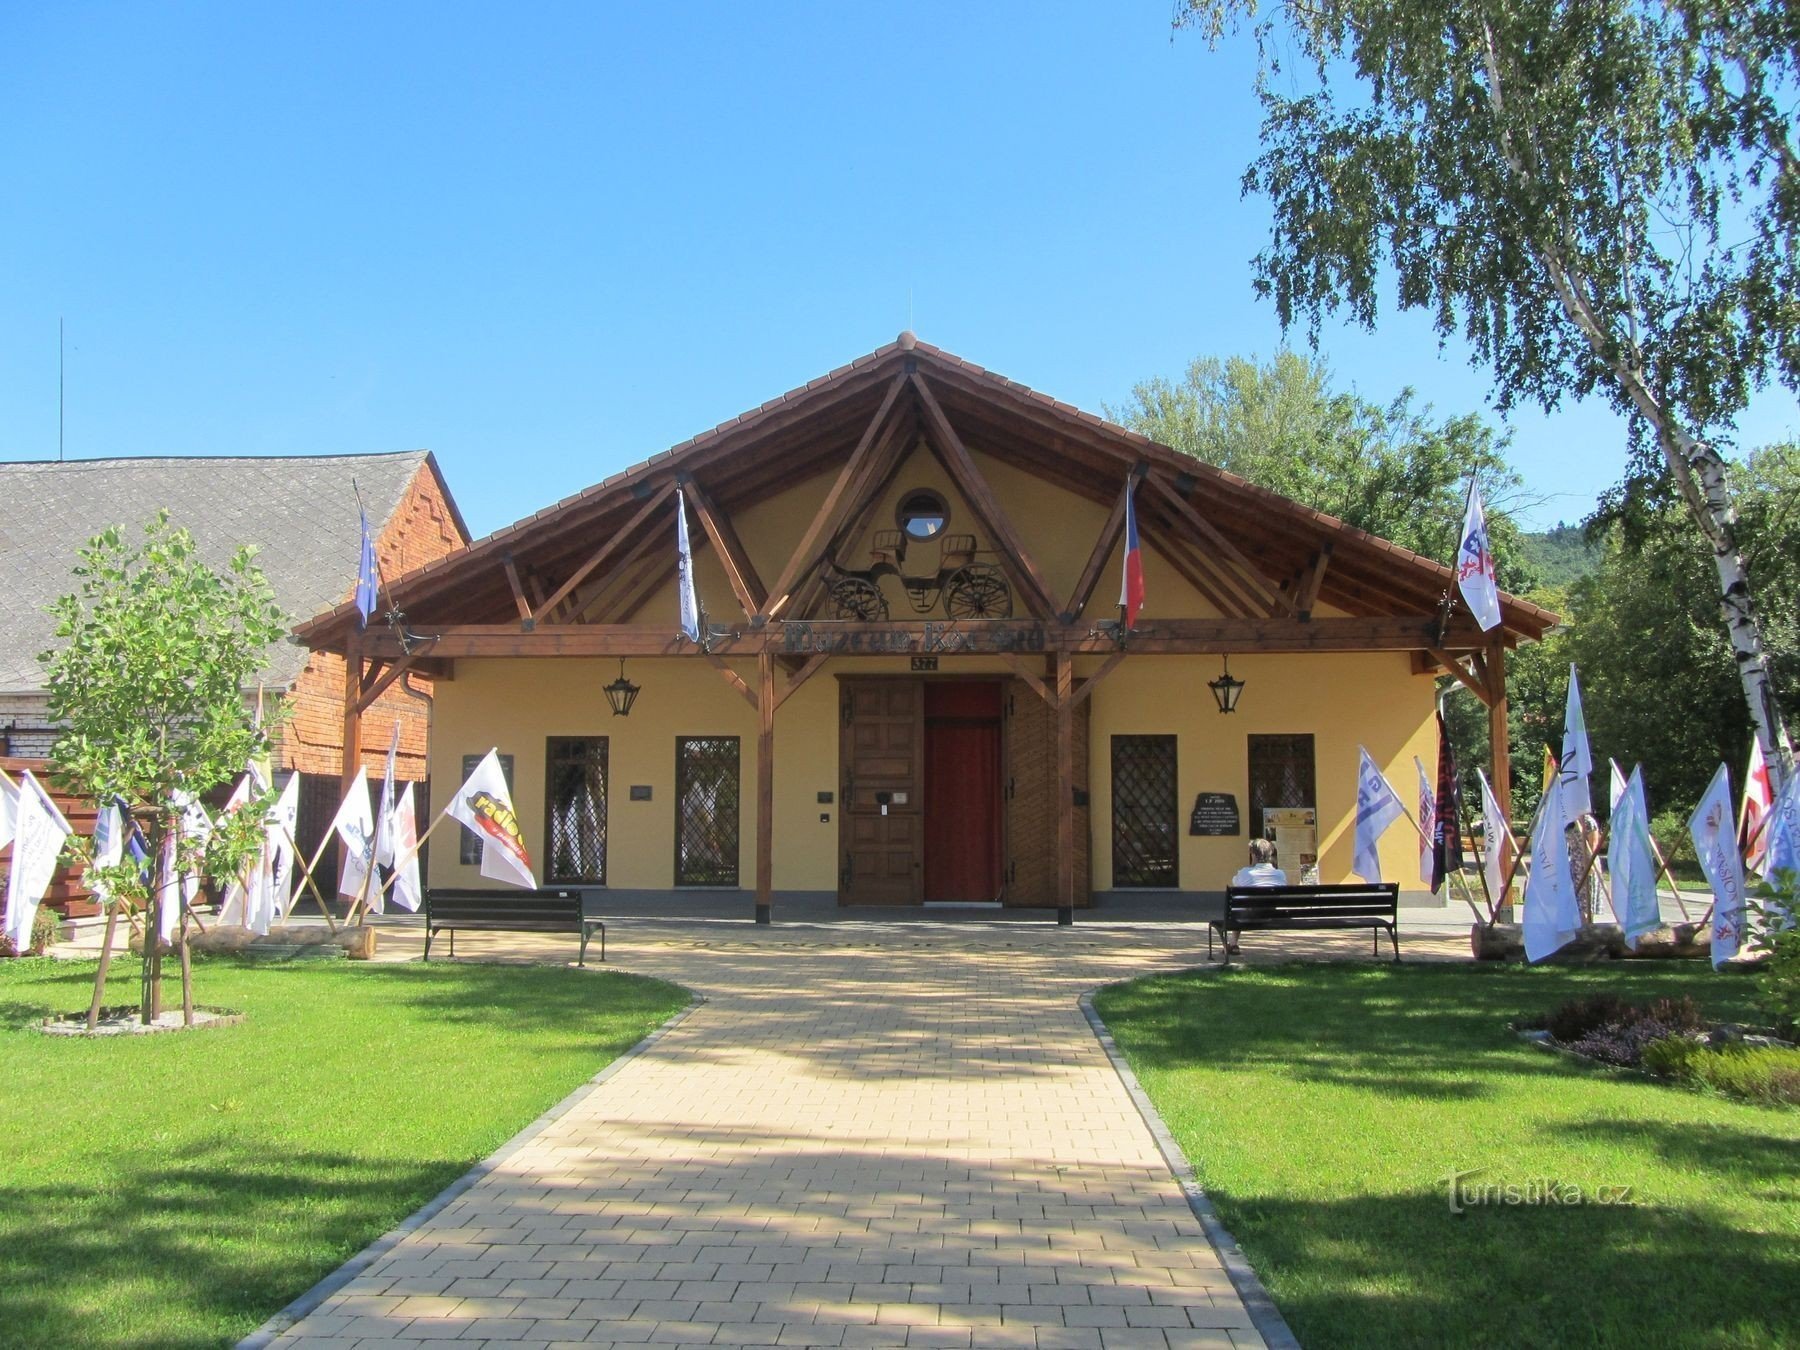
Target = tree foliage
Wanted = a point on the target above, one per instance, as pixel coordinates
(1599, 196)
(155, 652)
(1392, 469)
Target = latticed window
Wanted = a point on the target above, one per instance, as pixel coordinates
(1145, 825)
(469, 847)
(575, 802)
(706, 811)
(1281, 774)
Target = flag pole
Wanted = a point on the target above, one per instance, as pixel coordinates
(306, 870)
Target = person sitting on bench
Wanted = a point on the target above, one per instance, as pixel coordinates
(1262, 870)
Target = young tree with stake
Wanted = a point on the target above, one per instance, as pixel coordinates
(155, 652)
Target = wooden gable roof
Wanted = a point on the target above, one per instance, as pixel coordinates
(593, 557)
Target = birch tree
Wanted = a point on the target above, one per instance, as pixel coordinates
(1599, 196)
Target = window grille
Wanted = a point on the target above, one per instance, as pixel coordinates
(1145, 825)
(706, 811)
(1281, 774)
(575, 802)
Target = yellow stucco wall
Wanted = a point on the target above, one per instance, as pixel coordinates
(1341, 699)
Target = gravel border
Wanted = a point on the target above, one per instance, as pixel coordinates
(1264, 1315)
(356, 1265)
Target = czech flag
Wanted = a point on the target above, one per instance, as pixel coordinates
(1131, 586)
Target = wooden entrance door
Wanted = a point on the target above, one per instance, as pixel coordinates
(880, 819)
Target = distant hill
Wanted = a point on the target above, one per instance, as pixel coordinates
(1561, 556)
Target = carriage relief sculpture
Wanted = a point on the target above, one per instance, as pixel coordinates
(966, 587)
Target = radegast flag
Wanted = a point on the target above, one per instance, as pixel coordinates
(1758, 797)
(1715, 844)
(1377, 807)
(684, 575)
(39, 833)
(404, 830)
(1631, 862)
(485, 806)
(1493, 829)
(355, 827)
(1475, 575)
(1552, 911)
(1577, 759)
(367, 580)
(1131, 584)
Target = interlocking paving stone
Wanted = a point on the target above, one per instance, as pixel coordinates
(911, 1141)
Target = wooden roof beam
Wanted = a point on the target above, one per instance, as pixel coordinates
(1306, 595)
(806, 553)
(606, 550)
(1103, 547)
(957, 461)
(883, 467)
(739, 570)
(1250, 580)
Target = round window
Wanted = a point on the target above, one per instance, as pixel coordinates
(923, 514)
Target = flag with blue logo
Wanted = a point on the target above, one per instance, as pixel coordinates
(367, 580)
(1552, 909)
(1577, 759)
(1475, 574)
(1631, 863)
(1377, 807)
(1713, 828)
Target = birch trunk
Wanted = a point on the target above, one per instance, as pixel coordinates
(1700, 470)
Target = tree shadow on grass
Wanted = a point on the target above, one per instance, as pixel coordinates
(1403, 1270)
(192, 1249)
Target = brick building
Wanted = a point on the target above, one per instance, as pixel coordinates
(301, 512)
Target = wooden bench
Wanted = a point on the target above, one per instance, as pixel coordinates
(1373, 907)
(555, 910)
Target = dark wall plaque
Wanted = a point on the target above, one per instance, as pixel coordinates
(1214, 813)
(640, 792)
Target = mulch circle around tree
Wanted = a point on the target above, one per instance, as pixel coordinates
(128, 1020)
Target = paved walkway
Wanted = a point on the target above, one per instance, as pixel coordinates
(877, 1136)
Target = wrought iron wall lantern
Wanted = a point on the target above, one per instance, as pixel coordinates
(621, 693)
(1226, 689)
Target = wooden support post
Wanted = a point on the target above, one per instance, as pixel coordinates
(353, 706)
(1065, 788)
(765, 787)
(1500, 762)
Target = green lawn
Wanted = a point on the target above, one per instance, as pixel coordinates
(1323, 1106)
(175, 1190)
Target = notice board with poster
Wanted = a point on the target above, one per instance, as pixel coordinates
(1295, 830)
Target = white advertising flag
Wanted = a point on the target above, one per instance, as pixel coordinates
(1577, 760)
(1759, 796)
(109, 848)
(39, 833)
(384, 844)
(197, 828)
(168, 886)
(408, 891)
(1631, 862)
(1617, 784)
(684, 572)
(9, 809)
(1714, 833)
(1493, 829)
(1377, 807)
(1552, 910)
(1427, 824)
(355, 829)
(278, 854)
(485, 806)
(1475, 575)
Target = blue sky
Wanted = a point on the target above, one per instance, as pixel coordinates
(546, 241)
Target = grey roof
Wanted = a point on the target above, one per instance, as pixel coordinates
(300, 512)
